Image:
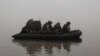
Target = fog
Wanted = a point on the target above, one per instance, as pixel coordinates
(83, 15)
(16, 11)
(22, 9)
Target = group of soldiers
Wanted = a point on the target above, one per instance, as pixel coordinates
(36, 27)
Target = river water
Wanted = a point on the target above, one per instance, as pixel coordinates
(83, 15)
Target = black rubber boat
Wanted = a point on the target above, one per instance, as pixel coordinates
(71, 35)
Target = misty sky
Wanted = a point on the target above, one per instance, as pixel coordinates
(31, 8)
(16, 12)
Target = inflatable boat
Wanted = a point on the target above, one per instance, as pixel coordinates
(71, 35)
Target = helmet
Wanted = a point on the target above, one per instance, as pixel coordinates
(50, 22)
(68, 22)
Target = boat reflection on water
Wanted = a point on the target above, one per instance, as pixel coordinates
(47, 47)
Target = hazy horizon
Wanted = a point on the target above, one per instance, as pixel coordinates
(25, 9)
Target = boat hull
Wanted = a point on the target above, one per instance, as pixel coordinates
(72, 35)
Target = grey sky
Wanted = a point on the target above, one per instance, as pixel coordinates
(49, 7)
(19, 11)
